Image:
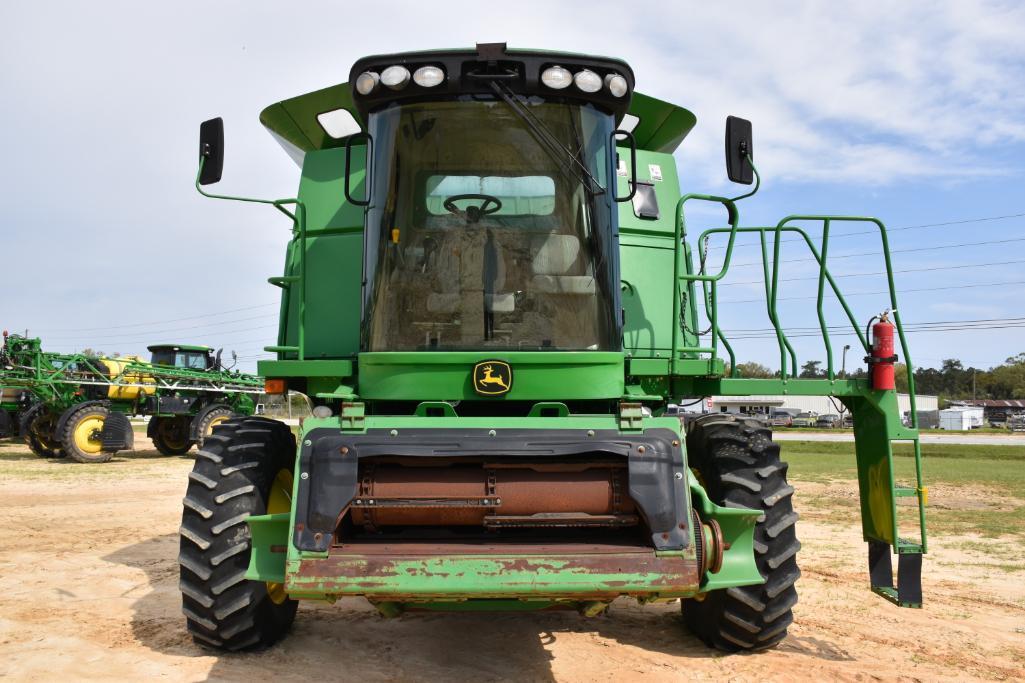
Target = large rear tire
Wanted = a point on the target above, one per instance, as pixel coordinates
(243, 469)
(740, 466)
(80, 436)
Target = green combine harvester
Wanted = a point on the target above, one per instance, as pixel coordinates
(490, 298)
(78, 405)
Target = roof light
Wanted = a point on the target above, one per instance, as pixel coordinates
(556, 77)
(588, 81)
(616, 84)
(366, 82)
(428, 76)
(395, 77)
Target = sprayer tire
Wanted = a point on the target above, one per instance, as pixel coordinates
(231, 480)
(166, 440)
(740, 466)
(31, 428)
(210, 420)
(78, 437)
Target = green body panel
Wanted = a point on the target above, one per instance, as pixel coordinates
(490, 575)
(566, 375)
(333, 262)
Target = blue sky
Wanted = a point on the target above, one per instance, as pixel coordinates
(913, 112)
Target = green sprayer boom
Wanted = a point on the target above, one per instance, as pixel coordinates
(491, 298)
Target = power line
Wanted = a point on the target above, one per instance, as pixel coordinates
(848, 294)
(831, 257)
(906, 270)
(909, 227)
(172, 330)
(157, 322)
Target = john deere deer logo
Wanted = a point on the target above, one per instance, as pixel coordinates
(492, 378)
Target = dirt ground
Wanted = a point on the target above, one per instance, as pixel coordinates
(89, 590)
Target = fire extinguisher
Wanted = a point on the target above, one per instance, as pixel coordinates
(880, 363)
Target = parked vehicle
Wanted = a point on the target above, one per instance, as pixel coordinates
(827, 421)
(803, 420)
(782, 420)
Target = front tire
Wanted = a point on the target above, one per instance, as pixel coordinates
(241, 470)
(80, 436)
(740, 467)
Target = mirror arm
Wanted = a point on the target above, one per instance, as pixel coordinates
(276, 203)
(758, 181)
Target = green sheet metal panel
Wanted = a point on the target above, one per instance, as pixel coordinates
(334, 258)
(646, 258)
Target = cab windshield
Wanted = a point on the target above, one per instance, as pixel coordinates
(482, 236)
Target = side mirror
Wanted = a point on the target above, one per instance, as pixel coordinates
(211, 150)
(632, 178)
(369, 151)
(739, 146)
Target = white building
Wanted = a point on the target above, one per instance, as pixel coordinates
(961, 419)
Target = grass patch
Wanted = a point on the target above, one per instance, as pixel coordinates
(975, 489)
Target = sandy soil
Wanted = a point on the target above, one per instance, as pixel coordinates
(88, 590)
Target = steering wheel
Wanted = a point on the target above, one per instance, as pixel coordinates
(472, 214)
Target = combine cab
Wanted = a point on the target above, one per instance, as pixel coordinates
(490, 299)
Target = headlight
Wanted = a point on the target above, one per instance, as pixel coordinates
(616, 84)
(428, 76)
(556, 77)
(395, 77)
(366, 82)
(588, 81)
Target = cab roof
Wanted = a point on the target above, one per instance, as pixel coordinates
(310, 122)
(178, 347)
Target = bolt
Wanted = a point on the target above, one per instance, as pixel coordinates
(344, 450)
(485, 501)
(370, 502)
(590, 432)
(640, 449)
(678, 475)
(492, 432)
(304, 475)
(317, 536)
(498, 501)
(307, 442)
(359, 502)
(676, 444)
(394, 432)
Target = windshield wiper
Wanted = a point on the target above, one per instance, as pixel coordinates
(550, 142)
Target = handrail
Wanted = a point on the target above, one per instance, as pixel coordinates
(680, 234)
(885, 243)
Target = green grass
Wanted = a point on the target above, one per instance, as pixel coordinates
(976, 489)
